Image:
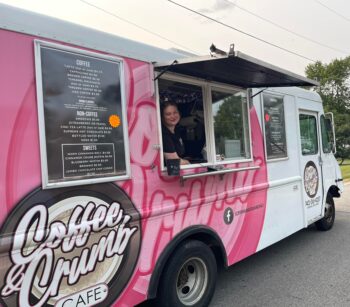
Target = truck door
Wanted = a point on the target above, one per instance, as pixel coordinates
(311, 165)
(328, 147)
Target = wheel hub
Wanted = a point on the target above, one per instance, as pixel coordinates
(192, 281)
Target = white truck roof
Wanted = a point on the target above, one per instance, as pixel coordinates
(298, 92)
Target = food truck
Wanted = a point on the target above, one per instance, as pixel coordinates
(91, 213)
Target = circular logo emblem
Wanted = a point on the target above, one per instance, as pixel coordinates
(228, 216)
(69, 247)
(311, 179)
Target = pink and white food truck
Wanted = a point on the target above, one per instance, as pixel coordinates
(90, 214)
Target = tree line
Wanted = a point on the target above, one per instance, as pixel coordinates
(334, 90)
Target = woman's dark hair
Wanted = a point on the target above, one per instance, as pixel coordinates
(166, 104)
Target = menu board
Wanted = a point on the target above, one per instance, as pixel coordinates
(82, 115)
(275, 132)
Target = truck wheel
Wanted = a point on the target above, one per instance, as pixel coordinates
(189, 276)
(326, 223)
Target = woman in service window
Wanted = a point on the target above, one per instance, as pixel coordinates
(173, 145)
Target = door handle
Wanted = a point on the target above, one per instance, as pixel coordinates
(320, 161)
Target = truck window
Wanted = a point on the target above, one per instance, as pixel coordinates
(327, 135)
(308, 134)
(231, 129)
(191, 127)
(274, 124)
(214, 127)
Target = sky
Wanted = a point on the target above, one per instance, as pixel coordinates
(287, 33)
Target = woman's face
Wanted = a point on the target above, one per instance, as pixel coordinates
(171, 116)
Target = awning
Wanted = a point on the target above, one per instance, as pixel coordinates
(239, 70)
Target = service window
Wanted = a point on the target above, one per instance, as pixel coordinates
(274, 125)
(214, 123)
(191, 126)
(308, 134)
(327, 134)
(231, 128)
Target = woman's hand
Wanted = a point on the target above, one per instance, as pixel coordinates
(184, 162)
(173, 155)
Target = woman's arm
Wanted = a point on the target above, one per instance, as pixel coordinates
(174, 155)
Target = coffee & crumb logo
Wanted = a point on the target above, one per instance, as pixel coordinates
(69, 247)
(311, 179)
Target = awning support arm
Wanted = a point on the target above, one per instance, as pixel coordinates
(258, 92)
(165, 70)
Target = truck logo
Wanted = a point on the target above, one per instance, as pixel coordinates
(311, 179)
(228, 216)
(69, 246)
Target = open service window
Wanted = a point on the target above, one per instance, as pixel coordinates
(182, 113)
(210, 124)
(82, 119)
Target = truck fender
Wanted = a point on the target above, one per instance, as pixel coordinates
(334, 191)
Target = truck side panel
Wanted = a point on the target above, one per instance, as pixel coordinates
(285, 210)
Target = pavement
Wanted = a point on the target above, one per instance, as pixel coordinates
(343, 203)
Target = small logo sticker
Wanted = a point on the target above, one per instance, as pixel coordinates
(228, 216)
(311, 179)
(114, 121)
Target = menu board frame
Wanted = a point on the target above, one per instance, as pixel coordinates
(280, 100)
(88, 178)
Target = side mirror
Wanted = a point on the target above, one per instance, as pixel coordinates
(329, 121)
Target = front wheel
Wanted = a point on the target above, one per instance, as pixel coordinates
(189, 276)
(326, 223)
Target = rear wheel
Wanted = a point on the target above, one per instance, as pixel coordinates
(189, 277)
(326, 223)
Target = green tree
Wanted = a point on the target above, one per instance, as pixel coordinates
(228, 123)
(228, 120)
(334, 90)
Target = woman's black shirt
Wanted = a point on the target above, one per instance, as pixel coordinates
(172, 142)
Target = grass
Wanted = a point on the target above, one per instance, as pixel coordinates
(345, 169)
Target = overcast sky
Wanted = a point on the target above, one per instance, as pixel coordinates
(310, 29)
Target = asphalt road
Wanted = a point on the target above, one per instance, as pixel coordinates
(309, 268)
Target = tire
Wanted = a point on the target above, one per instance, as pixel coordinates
(327, 222)
(189, 277)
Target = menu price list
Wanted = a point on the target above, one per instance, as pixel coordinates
(274, 127)
(88, 159)
(80, 95)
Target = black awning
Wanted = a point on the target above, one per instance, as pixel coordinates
(239, 70)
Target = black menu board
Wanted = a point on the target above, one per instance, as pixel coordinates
(82, 110)
(275, 133)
